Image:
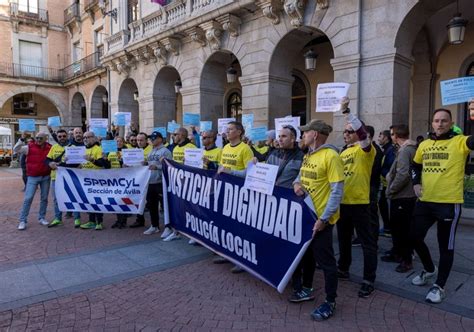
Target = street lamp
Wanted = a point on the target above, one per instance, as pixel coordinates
(231, 75)
(456, 28)
(112, 13)
(178, 85)
(310, 60)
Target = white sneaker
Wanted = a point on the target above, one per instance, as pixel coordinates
(43, 222)
(22, 226)
(173, 236)
(424, 277)
(151, 230)
(435, 295)
(192, 242)
(167, 232)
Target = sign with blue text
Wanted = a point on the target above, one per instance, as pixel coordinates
(265, 234)
(118, 190)
(458, 90)
(258, 134)
(54, 121)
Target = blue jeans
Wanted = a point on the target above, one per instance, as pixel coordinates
(31, 186)
(57, 213)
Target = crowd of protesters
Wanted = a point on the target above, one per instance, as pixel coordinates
(410, 184)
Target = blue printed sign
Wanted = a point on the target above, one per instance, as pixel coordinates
(54, 121)
(247, 121)
(109, 146)
(161, 130)
(458, 90)
(265, 234)
(172, 126)
(191, 119)
(205, 126)
(258, 134)
(99, 132)
(27, 124)
(120, 119)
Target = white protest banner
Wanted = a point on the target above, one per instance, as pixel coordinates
(193, 157)
(222, 124)
(75, 154)
(133, 157)
(120, 190)
(98, 123)
(329, 95)
(294, 121)
(261, 177)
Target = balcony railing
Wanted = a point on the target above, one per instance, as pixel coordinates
(71, 13)
(30, 72)
(88, 4)
(170, 15)
(83, 66)
(31, 14)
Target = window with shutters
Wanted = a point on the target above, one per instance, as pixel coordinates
(31, 58)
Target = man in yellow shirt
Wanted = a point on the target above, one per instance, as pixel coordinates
(234, 159)
(94, 160)
(212, 154)
(358, 158)
(438, 175)
(322, 177)
(54, 158)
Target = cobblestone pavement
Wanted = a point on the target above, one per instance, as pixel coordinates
(194, 296)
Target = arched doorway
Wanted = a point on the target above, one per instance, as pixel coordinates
(292, 87)
(219, 77)
(79, 110)
(99, 103)
(128, 101)
(28, 105)
(167, 99)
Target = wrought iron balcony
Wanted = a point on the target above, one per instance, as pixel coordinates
(28, 14)
(83, 66)
(72, 13)
(17, 70)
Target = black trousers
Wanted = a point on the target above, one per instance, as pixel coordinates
(374, 205)
(96, 217)
(154, 194)
(322, 252)
(358, 216)
(384, 211)
(446, 216)
(401, 216)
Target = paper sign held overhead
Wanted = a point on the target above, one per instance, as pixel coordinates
(329, 96)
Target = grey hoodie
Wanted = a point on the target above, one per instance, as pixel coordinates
(399, 183)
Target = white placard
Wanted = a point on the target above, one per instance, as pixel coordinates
(222, 124)
(329, 95)
(261, 177)
(219, 141)
(75, 154)
(193, 157)
(133, 157)
(294, 121)
(98, 123)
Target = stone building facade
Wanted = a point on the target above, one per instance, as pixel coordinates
(394, 54)
(100, 57)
